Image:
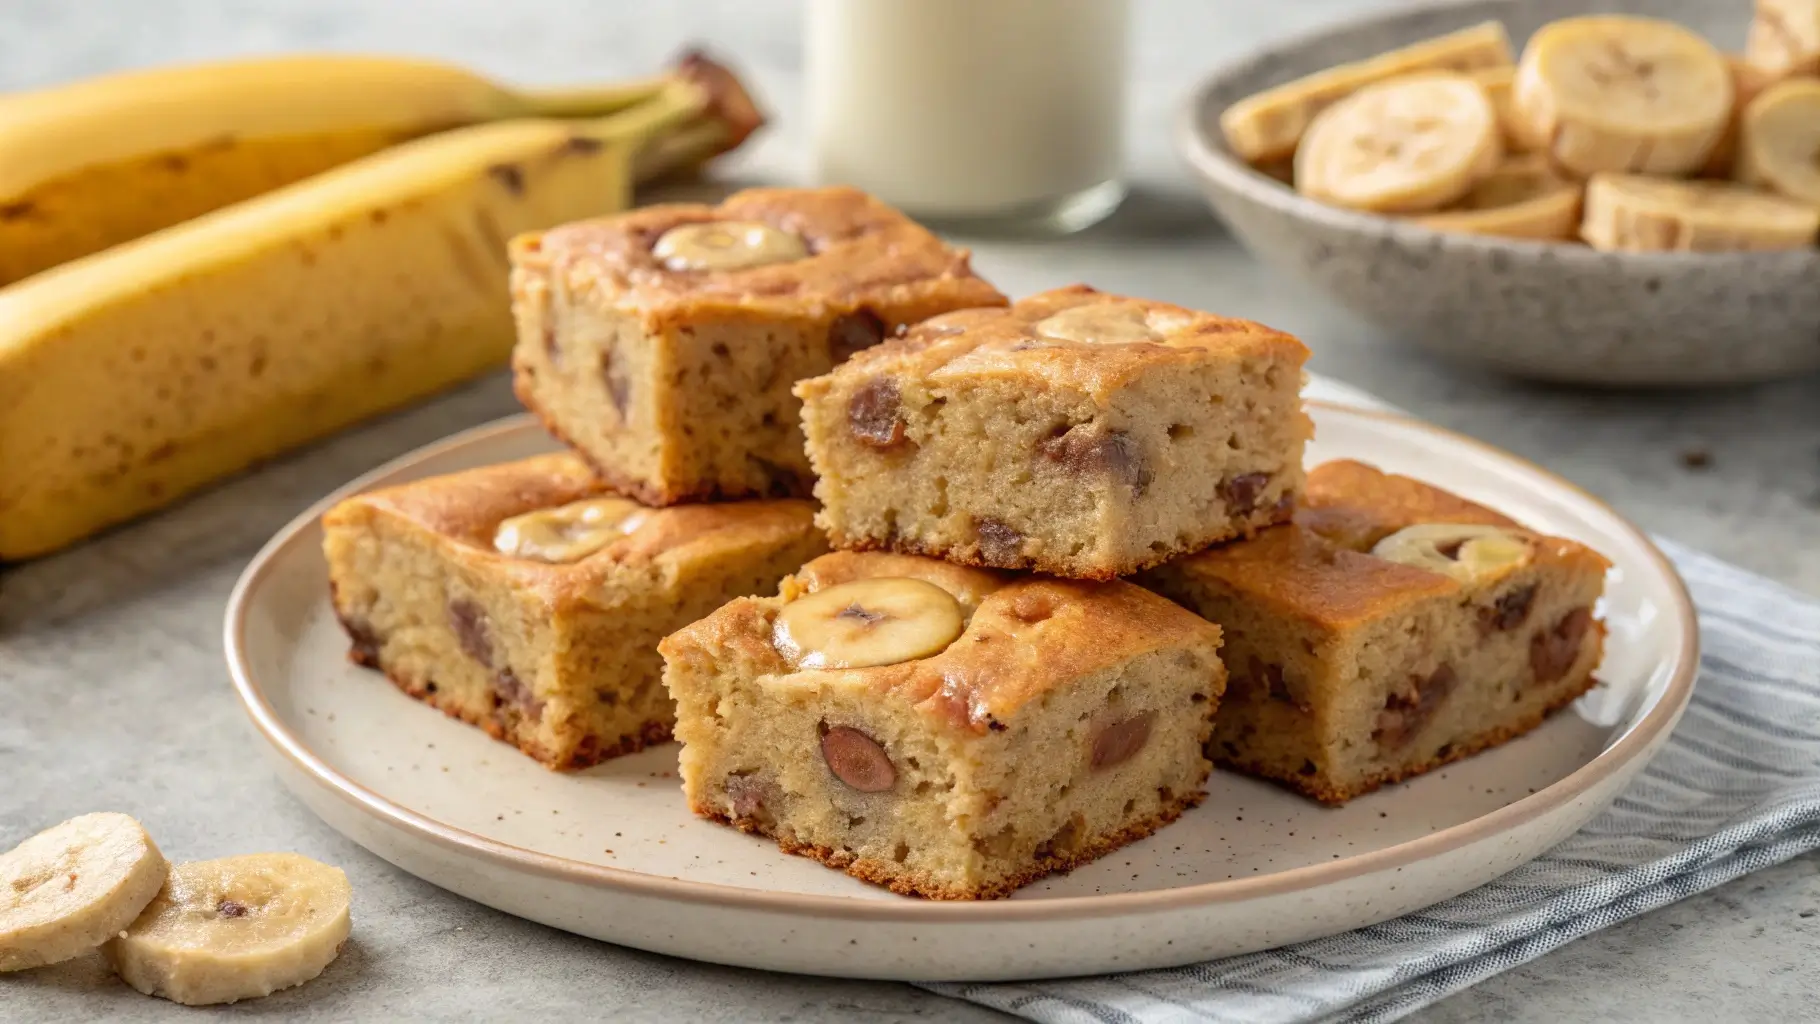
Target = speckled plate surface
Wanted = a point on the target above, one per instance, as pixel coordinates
(613, 853)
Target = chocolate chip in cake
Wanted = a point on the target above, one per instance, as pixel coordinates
(470, 625)
(857, 759)
(230, 908)
(509, 690)
(1405, 713)
(1000, 544)
(1120, 741)
(1553, 651)
(1240, 493)
(854, 332)
(619, 389)
(1509, 611)
(872, 414)
(752, 796)
(363, 643)
(1114, 453)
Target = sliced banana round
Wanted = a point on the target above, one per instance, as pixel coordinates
(1617, 93)
(727, 245)
(235, 928)
(1785, 37)
(67, 889)
(1524, 198)
(1467, 552)
(886, 620)
(1779, 140)
(1407, 145)
(1099, 323)
(1632, 213)
(569, 532)
(1269, 126)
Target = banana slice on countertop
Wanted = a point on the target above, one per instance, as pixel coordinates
(1269, 126)
(882, 621)
(235, 928)
(67, 889)
(1615, 93)
(1407, 145)
(1785, 37)
(1779, 140)
(1524, 198)
(1631, 213)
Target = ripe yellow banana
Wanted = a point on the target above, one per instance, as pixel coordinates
(1779, 140)
(134, 376)
(107, 160)
(1632, 213)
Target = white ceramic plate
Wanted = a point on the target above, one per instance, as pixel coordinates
(613, 853)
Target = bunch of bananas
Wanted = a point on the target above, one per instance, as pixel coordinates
(202, 267)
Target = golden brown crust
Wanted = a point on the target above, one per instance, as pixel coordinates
(1315, 569)
(1317, 787)
(988, 673)
(862, 253)
(1355, 505)
(892, 875)
(462, 510)
(1004, 342)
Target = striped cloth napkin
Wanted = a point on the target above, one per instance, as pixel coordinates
(1735, 789)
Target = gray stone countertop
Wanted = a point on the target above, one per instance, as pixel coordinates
(116, 696)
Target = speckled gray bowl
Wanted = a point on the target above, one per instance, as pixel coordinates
(1549, 311)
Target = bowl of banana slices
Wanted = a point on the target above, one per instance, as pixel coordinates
(1625, 199)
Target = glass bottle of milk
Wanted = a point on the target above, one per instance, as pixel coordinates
(972, 114)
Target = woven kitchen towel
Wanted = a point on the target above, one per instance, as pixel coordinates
(1736, 788)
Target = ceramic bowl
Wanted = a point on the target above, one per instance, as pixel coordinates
(1544, 310)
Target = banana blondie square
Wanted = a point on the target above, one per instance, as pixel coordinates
(1391, 628)
(1076, 433)
(527, 599)
(945, 731)
(662, 344)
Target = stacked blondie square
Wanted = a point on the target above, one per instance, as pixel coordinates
(1076, 557)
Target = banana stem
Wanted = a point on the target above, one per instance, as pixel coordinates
(691, 146)
(590, 100)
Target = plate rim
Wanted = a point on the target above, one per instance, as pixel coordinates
(1636, 742)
